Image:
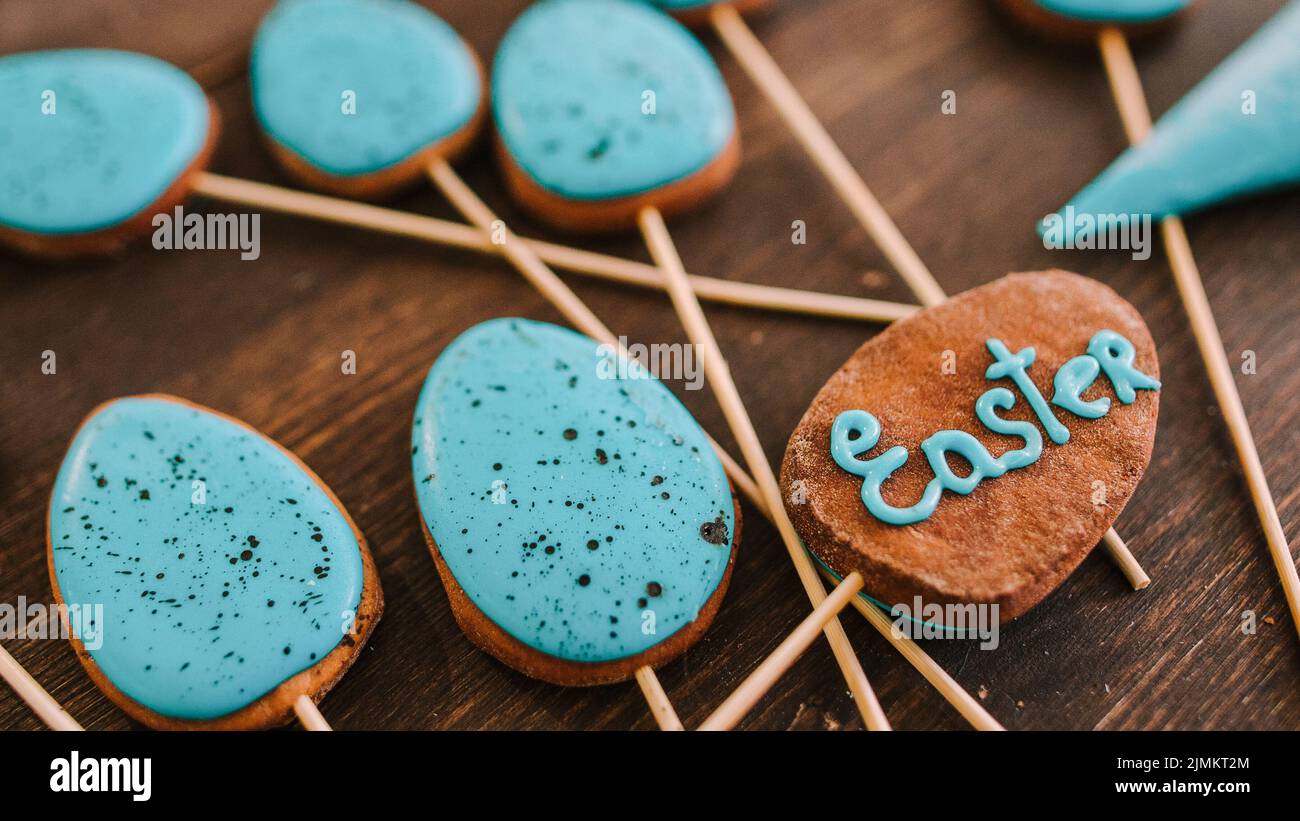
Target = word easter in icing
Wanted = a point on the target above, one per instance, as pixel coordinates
(856, 431)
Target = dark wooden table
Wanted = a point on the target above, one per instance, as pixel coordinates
(261, 340)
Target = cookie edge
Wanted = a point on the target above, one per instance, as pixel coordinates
(274, 708)
(489, 637)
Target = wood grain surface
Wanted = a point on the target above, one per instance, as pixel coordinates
(262, 341)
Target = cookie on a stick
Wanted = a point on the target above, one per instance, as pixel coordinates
(1082, 20)
(987, 483)
(236, 590)
(96, 142)
(578, 516)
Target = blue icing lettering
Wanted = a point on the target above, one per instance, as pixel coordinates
(569, 90)
(855, 432)
(1217, 143)
(986, 408)
(1016, 367)
(1115, 355)
(213, 594)
(566, 501)
(1075, 377)
(983, 465)
(1115, 11)
(91, 138)
(412, 81)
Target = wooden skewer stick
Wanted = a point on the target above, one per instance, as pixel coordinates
(1126, 87)
(947, 686)
(310, 717)
(602, 266)
(1125, 560)
(541, 277)
(744, 697)
(719, 376)
(812, 135)
(821, 148)
(912, 652)
(660, 706)
(41, 702)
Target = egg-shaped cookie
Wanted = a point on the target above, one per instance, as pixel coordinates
(696, 12)
(604, 107)
(93, 144)
(231, 579)
(578, 516)
(974, 453)
(355, 97)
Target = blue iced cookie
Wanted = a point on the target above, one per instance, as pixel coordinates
(1234, 134)
(93, 143)
(356, 96)
(1083, 18)
(605, 106)
(214, 577)
(580, 521)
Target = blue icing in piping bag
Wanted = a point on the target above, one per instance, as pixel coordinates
(1236, 133)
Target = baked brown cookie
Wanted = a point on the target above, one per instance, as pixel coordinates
(98, 143)
(207, 577)
(357, 97)
(1018, 395)
(603, 109)
(578, 517)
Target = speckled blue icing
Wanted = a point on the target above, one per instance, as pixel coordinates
(1205, 149)
(207, 607)
(568, 505)
(568, 92)
(124, 127)
(1114, 11)
(414, 79)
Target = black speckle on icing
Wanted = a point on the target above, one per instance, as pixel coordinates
(715, 532)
